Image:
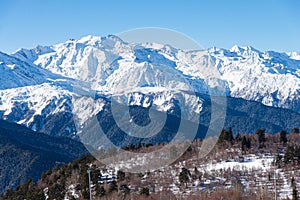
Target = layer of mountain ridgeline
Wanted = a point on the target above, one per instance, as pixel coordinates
(247, 166)
(241, 117)
(39, 87)
(26, 154)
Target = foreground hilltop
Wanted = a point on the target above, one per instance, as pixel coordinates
(241, 167)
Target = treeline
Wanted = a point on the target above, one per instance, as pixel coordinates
(55, 183)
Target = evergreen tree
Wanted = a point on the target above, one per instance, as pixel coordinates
(244, 143)
(196, 170)
(292, 181)
(248, 143)
(84, 180)
(297, 154)
(261, 136)
(283, 137)
(289, 154)
(95, 174)
(184, 176)
(120, 175)
(226, 136)
(145, 191)
(295, 193)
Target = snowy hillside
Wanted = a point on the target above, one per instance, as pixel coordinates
(36, 84)
(17, 73)
(268, 77)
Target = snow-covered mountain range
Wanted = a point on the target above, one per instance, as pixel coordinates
(37, 85)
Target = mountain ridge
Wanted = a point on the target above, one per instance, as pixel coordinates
(247, 63)
(108, 63)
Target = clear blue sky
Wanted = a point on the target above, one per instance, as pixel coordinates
(263, 24)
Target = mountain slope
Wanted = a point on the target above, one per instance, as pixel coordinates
(45, 89)
(35, 106)
(17, 73)
(231, 171)
(26, 154)
(46, 100)
(268, 77)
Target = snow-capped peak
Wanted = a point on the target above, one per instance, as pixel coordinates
(245, 71)
(29, 55)
(236, 49)
(294, 55)
(98, 40)
(243, 49)
(89, 39)
(108, 63)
